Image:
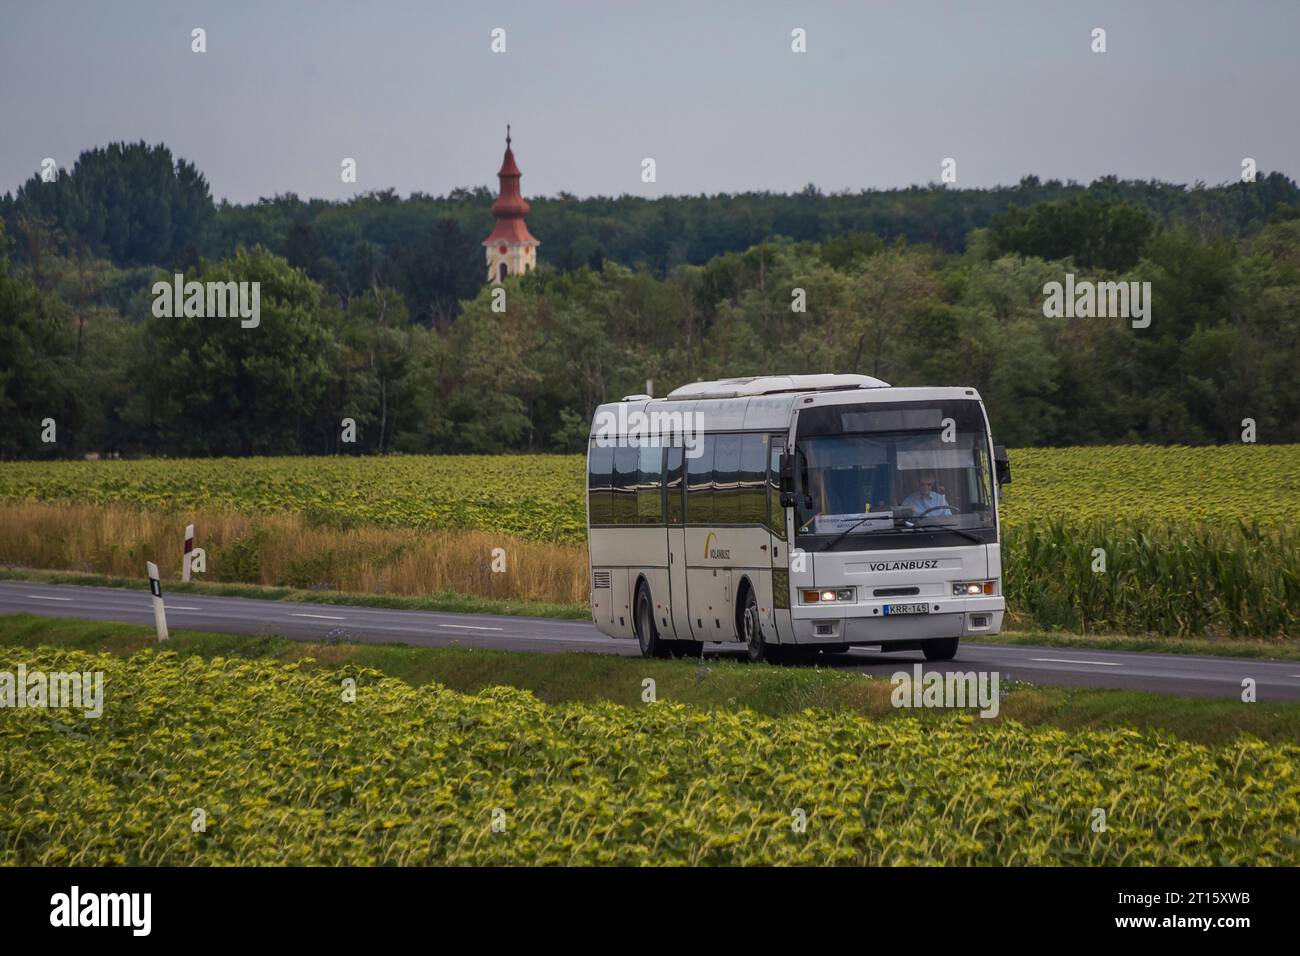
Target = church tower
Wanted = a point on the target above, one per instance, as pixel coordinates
(511, 249)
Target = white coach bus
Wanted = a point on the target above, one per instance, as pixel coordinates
(795, 514)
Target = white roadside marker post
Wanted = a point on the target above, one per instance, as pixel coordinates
(189, 548)
(159, 614)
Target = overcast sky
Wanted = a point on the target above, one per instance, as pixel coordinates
(710, 90)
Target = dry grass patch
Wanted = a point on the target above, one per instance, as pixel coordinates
(288, 551)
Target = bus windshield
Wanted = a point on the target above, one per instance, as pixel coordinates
(893, 467)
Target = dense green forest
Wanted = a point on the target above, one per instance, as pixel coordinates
(374, 309)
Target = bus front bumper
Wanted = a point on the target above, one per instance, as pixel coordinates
(871, 624)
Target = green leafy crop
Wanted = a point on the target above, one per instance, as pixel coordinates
(287, 772)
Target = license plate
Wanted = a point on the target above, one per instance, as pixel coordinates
(907, 609)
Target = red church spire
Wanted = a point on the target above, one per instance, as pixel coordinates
(510, 207)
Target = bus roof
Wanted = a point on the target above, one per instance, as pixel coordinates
(760, 411)
(771, 385)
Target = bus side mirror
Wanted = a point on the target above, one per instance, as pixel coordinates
(1001, 465)
(787, 480)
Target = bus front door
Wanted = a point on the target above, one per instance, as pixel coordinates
(783, 563)
(677, 596)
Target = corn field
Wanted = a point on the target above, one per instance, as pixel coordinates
(1192, 580)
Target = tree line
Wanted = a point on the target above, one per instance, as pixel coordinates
(137, 205)
(357, 339)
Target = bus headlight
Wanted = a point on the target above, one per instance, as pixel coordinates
(840, 596)
(973, 588)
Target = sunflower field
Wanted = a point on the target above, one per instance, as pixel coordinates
(543, 496)
(225, 761)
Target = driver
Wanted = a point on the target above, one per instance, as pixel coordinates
(925, 499)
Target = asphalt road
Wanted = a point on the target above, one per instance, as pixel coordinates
(1183, 674)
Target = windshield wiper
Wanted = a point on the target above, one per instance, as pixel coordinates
(943, 527)
(900, 528)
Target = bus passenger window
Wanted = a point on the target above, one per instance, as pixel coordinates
(699, 483)
(625, 462)
(600, 469)
(673, 486)
(753, 475)
(726, 480)
(649, 487)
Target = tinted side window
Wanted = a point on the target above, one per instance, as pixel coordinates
(726, 480)
(699, 483)
(600, 468)
(774, 487)
(649, 485)
(625, 462)
(752, 479)
(673, 485)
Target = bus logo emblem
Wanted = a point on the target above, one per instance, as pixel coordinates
(717, 554)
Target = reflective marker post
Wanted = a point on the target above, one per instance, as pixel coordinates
(155, 588)
(189, 548)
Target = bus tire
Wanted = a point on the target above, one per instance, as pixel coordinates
(943, 649)
(751, 632)
(647, 634)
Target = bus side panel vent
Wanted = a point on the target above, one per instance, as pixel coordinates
(600, 579)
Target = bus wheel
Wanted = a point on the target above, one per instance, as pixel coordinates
(756, 648)
(940, 650)
(647, 634)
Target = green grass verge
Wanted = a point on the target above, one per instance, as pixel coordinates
(1280, 650)
(731, 685)
(448, 601)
